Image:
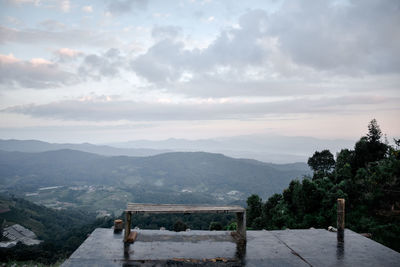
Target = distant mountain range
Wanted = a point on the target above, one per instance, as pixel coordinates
(267, 148)
(40, 146)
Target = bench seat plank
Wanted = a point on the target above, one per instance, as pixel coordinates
(177, 208)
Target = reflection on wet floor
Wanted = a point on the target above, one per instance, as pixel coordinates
(340, 251)
(312, 247)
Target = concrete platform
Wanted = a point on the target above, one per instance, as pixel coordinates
(313, 247)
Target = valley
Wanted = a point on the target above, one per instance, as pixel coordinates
(104, 184)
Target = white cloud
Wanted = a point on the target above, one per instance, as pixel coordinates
(68, 53)
(65, 6)
(87, 9)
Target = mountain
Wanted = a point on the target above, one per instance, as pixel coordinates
(40, 146)
(267, 148)
(191, 172)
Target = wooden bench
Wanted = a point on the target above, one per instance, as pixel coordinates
(135, 208)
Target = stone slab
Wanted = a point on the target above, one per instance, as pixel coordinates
(313, 247)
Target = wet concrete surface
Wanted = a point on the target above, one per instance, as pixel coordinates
(312, 247)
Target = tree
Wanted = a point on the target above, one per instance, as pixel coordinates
(322, 161)
(374, 132)
(254, 208)
(370, 148)
(368, 177)
(215, 226)
(180, 226)
(3, 223)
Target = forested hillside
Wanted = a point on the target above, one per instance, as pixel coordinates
(62, 231)
(368, 177)
(45, 223)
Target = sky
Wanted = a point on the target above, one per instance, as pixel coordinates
(112, 71)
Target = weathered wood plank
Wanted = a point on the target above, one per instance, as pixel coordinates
(177, 208)
(340, 219)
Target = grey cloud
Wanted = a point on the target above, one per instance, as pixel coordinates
(361, 36)
(165, 32)
(119, 7)
(32, 75)
(156, 65)
(141, 111)
(60, 37)
(39, 73)
(168, 59)
(107, 64)
(320, 39)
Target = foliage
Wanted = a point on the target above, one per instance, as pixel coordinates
(180, 226)
(216, 226)
(62, 231)
(322, 161)
(46, 223)
(368, 177)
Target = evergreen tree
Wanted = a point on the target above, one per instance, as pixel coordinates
(322, 161)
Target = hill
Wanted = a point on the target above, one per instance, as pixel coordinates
(62, 231)
(193, 171)
(44, 222)
(171, 177)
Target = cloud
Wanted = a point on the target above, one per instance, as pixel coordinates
(69, 67)
(52, 25)
(20, 2)
(55, 35)
(107, 64)
(66, 54)
(37, 73)
(167, 59)
(87, 9)
(297, 46)
(360, 36)
(165, 32)
(106, 109)
(120, 7)
(65, 6)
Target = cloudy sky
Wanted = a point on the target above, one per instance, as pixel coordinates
(107, 71)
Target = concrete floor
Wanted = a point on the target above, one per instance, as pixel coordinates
(312, 247)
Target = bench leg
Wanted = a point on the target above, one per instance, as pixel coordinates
(128, 219)
(241, 225)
